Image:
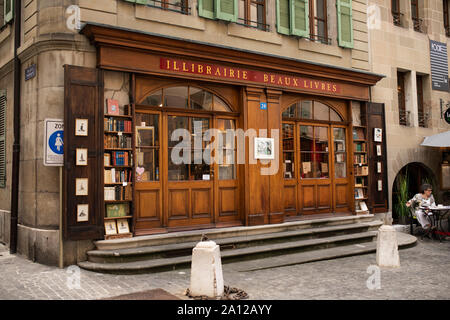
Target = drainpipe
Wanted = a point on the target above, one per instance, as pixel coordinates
(16, 143)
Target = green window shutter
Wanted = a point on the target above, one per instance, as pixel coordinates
(299, 12)
(283, 25)
(142, 1)
(226, 10)
(134, 1)
(345, 23)
(8, 10)
(2, 139)
(206, 8)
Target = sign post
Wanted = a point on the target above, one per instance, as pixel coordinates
(54, 142)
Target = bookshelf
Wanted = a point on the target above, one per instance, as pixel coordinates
(361, 165)
(118, 169)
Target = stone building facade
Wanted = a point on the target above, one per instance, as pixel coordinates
(50, 39)
(400, 45)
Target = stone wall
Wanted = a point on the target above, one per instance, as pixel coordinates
(401, 48)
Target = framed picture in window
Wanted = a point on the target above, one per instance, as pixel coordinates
(378, 135)
(264, 148)
(81, 127)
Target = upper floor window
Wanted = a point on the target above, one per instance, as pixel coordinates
(415, 15)
(318, 20)
(6, 11)
(446, 17)
(395, 9)
(308, 19)
(403, 114)
(170, 5)
(311, 110)
(252, 13)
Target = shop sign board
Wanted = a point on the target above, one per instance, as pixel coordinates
(439, 66)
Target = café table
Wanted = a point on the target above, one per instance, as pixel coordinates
(438, 214)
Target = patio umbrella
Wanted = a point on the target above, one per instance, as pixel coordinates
(441, 140)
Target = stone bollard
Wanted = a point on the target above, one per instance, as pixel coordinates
(387, 247)
(206, 270)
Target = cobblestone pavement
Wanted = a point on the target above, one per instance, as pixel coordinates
(424, 274)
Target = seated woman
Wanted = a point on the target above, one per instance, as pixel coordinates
(421, 202)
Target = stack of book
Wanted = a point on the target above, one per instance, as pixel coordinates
(119, 158)
(112, 124)
(117, 141)
(118, 193)
(117, 176)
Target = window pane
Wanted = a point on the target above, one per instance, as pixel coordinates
(198, 128)
(320, 12)
(288, 136)
(147, 130)
(200, 99)
(220, 105)
(334, 116)
(176, 97)
(321, 139)
(289, 112)
(321, 111)
(147, 164)
(321, 165)
(155, 99)
(288, 165)
(177, 172)
(306, 165)
(306, 111)
(177, 122)
(306, 138)
(340, 160)
(242, 9)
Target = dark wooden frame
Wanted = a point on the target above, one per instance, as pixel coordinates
(248, 18)
(401, 98)
(395, 10)
(420, 102)
(312, 20)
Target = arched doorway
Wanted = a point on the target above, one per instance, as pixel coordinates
(176, 184)
(416, 174)
(315, 159)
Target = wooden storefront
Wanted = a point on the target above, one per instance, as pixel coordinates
(176, 84)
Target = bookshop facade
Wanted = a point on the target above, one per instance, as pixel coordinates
(308, 142)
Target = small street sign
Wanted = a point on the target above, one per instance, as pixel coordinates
(54, 142)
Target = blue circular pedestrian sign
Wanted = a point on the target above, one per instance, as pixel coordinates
(56, 142)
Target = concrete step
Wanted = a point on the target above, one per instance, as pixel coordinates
(221, 233)
(185, 248)
(404, 241)
(241, 254)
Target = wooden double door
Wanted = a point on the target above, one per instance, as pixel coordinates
(180, 182)
(316, 168)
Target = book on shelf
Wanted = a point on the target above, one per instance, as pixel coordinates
(359, 193)
(114, 175)
(362, 171)
(119, 141)
(117, 210)
(119, 125)
(360, 159)
(118, 193)
(107, 159)
(363, 206)
(113, 106)
(109, 194)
